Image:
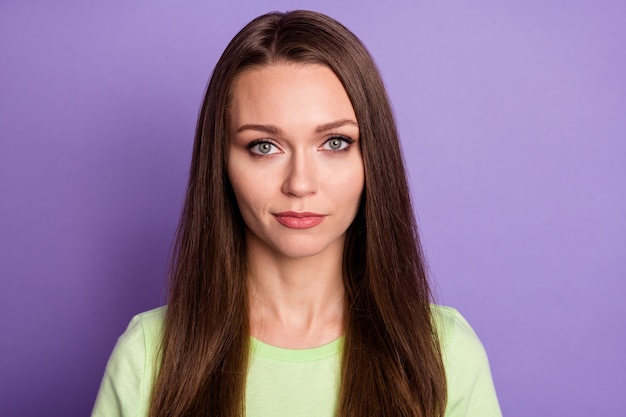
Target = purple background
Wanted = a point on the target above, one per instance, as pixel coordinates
(512, 116)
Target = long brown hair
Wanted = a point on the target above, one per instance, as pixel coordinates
(392, 362)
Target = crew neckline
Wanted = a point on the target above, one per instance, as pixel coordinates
(262, 349)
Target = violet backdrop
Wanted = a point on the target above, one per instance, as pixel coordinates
(512, 117)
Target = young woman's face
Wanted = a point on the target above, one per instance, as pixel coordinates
(294, 159)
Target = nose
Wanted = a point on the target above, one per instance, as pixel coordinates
(301, 178)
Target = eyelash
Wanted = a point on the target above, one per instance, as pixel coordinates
(257, 142)
(343, 138)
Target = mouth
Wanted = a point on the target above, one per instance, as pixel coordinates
(299, 220)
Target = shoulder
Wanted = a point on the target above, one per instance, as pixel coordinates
(130, 372)
(147, 326)
(470, 386)
(461, 348)
(453, 329)
(142, 336)
(139, 344)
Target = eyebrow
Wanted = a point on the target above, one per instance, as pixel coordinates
(334, 125)
(271, 129)
(274, 130)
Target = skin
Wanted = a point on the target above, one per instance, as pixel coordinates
(294, 147)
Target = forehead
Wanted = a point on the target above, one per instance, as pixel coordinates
(281, 70)
(284, 90)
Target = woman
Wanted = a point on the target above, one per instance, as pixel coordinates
(298, 284)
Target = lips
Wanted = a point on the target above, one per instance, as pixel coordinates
(299, 220)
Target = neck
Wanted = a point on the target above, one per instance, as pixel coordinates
(295, 302)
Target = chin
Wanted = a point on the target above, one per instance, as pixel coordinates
(296, 245)
(295, 251)
(306, 246)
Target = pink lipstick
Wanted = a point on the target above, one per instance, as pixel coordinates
(299, 220)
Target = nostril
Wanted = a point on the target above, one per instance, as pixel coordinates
(300, 181)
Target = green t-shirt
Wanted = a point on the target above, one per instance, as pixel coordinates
(293, 382)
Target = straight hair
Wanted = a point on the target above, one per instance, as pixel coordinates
(391, 362)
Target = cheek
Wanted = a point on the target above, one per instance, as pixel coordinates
(348, 187)
(244, 193)
(251, 189)
(238, 183)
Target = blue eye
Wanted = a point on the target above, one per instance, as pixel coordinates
(337, 143)
(263, 148)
